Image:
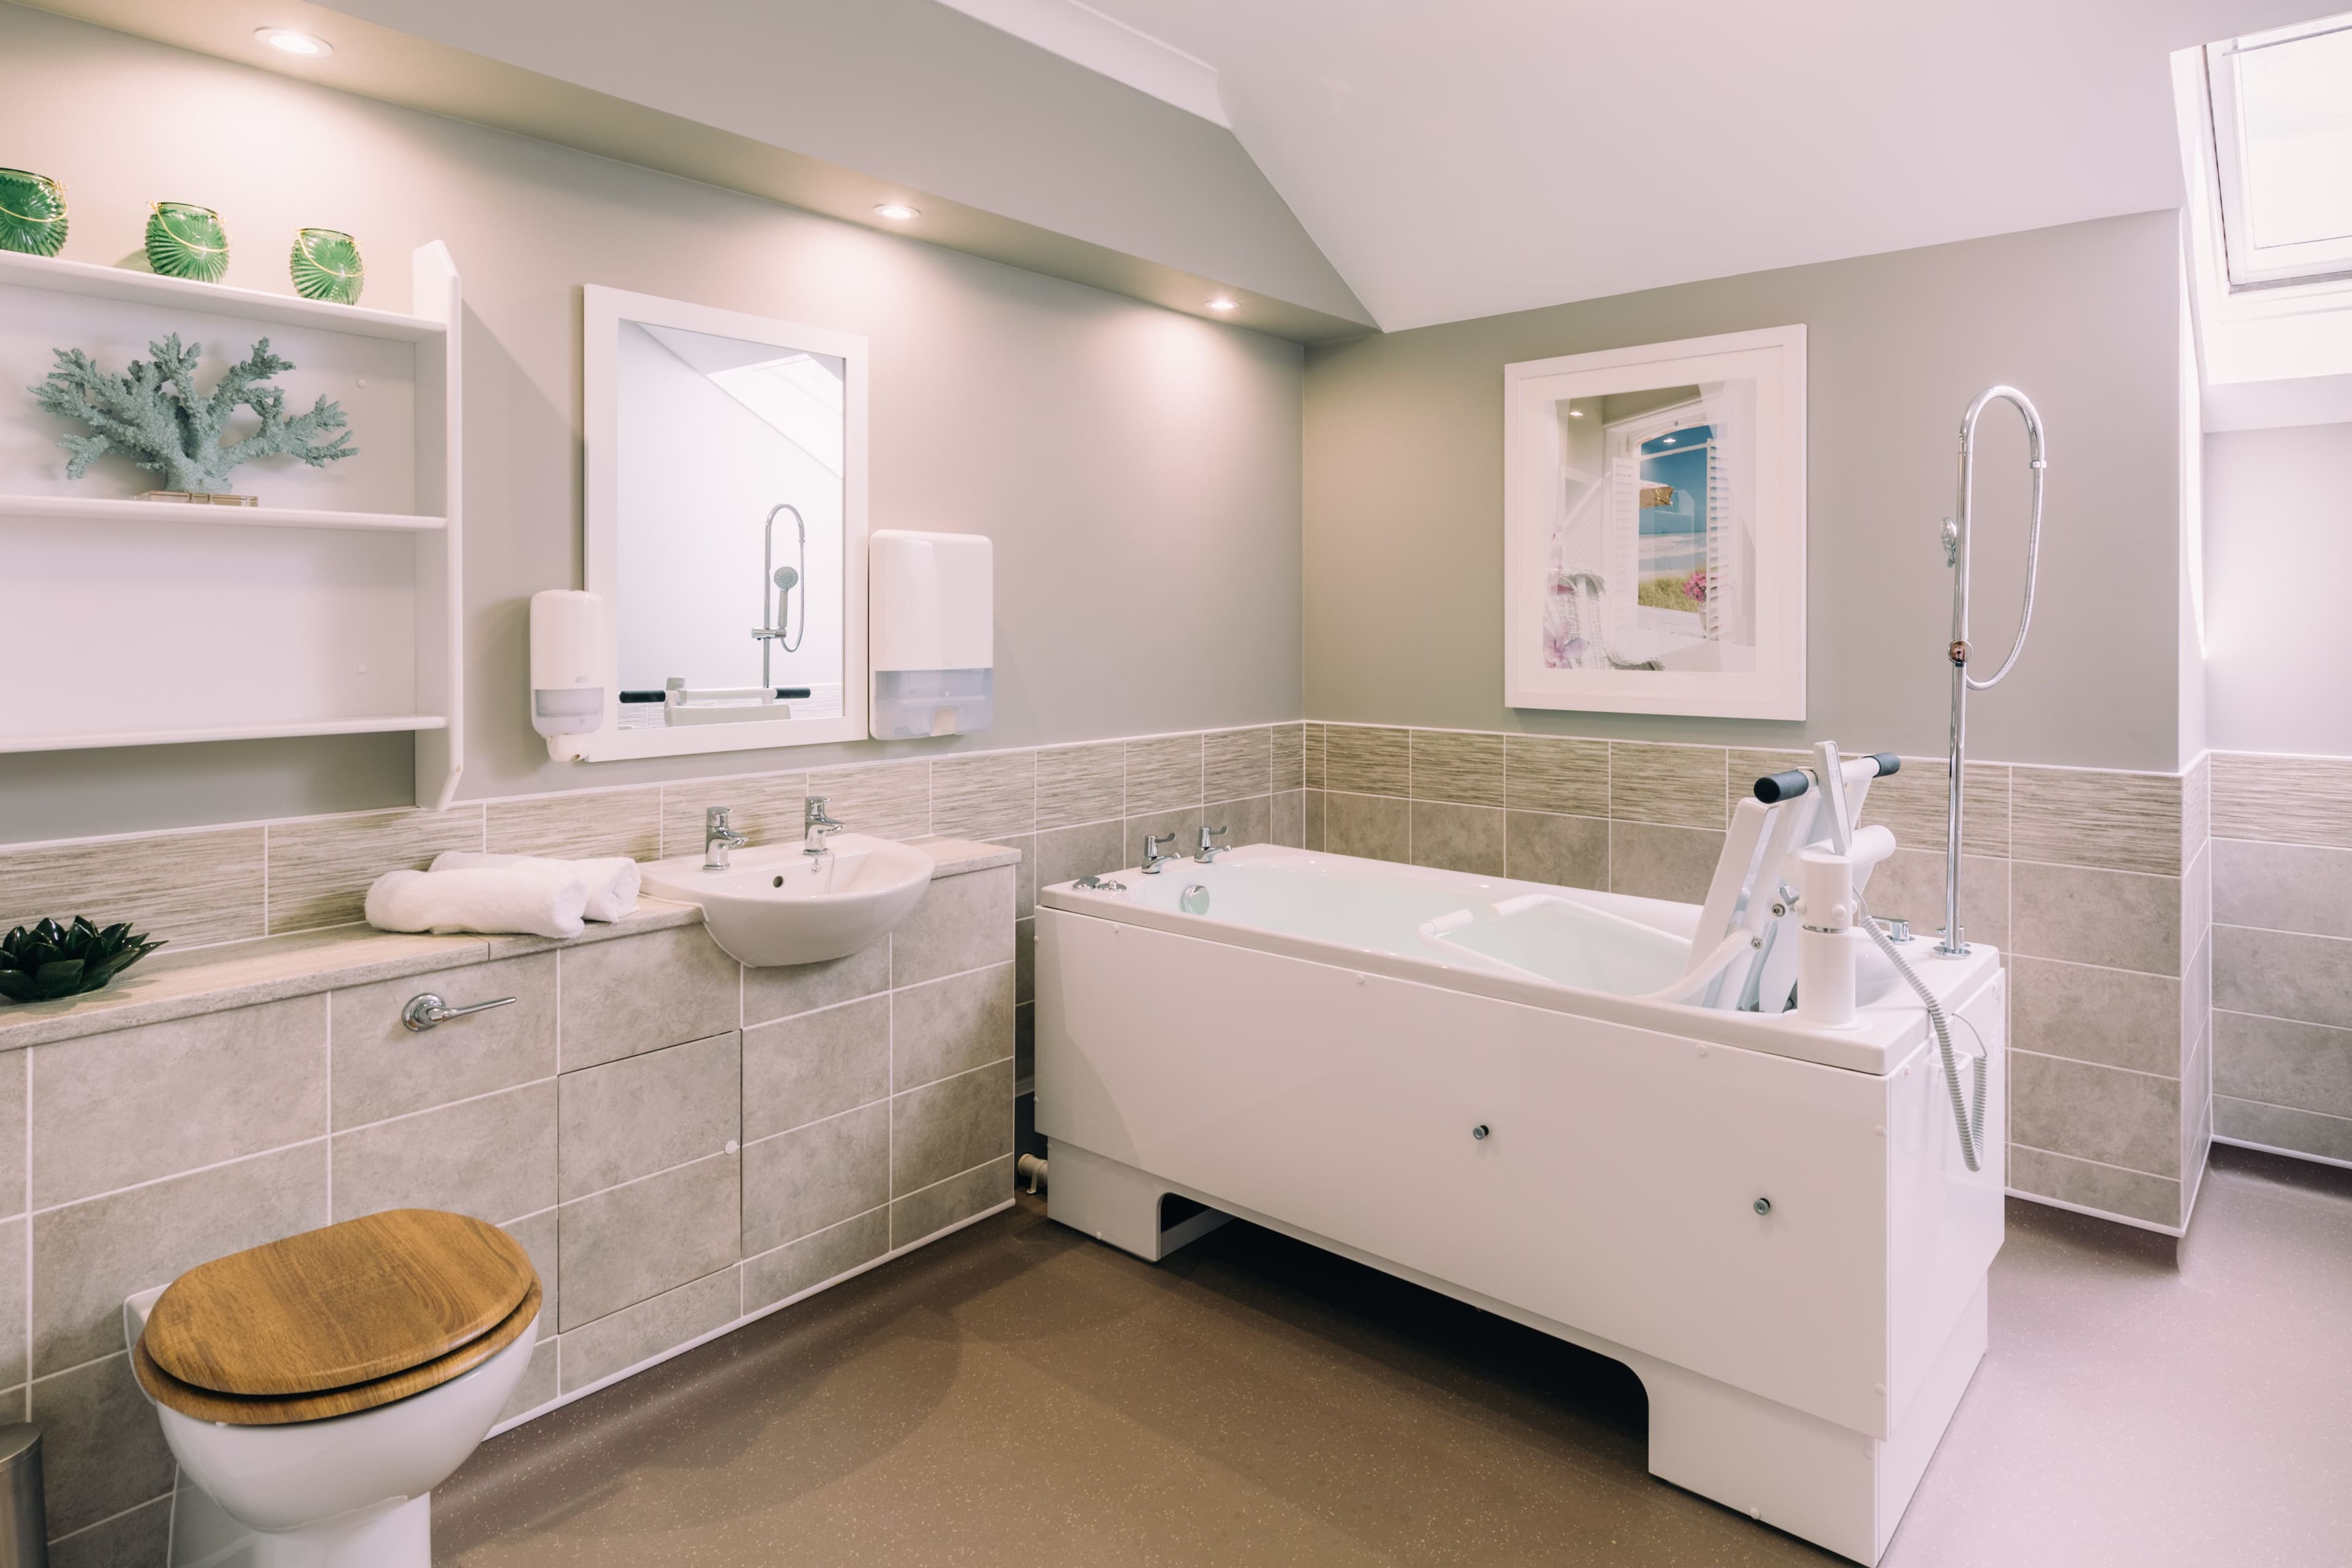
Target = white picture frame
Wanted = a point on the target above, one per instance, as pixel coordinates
(602, 312)
(1614, 605)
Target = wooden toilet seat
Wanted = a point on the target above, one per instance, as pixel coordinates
(338, 1319)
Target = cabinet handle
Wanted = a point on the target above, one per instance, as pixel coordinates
(424, 1011)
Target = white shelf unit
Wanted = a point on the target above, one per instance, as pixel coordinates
(338, 612)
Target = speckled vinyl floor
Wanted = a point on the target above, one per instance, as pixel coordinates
(1019, 1395)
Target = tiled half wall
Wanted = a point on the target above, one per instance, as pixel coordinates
(2097, 886)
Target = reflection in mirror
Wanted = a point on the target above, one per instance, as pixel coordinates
(1651, 553)
(731, 458)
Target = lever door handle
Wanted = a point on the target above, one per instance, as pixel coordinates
(426, 1010)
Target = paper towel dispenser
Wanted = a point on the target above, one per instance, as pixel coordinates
(931, 633)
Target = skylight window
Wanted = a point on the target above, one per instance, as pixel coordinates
(2281, 123)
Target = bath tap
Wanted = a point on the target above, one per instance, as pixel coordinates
(817, 825)
(1210, 850)
(1153, 858)
(718, 838)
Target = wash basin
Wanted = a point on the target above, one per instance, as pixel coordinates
(775, 904)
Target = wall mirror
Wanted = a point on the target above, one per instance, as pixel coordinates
(725, 527)
(1654, 548)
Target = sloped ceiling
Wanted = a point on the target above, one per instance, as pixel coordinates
(1469, 157)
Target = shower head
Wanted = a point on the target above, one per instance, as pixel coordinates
(785, 578)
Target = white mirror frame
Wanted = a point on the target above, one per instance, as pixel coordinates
(601, 312)
(1774, 358)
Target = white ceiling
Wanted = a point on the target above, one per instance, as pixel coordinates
(1469, 157)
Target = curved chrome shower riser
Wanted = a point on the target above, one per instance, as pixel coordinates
(1956, 532)
(771, 628)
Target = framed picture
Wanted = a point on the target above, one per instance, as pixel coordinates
(1653, 509)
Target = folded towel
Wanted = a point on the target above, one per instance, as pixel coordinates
(612, 879)
(489, 900)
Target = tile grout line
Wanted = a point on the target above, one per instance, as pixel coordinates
(2103, 1165)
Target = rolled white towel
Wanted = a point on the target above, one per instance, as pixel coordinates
(612, 879)
(486, 900)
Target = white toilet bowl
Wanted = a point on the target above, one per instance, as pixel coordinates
(348, 1491)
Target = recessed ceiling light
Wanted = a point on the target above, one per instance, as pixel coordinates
(292, 42)
(1576, 414)
(1670, 440)
(1222, 303)
(897, 212)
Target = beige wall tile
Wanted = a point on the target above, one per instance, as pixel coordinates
(538, 1385)
(798, 1182)
(382, 1070)
(2306, 1067)
(1909, 885)
(811, 1261)
(1377, 827)
(642, 992)
(137, 1538)
(1556, 774)
(1025, 873)
(644, 1113)
(1081, 784)
(1162, 773)
(12, 1301)
(943, 1203)
(2107, 1015)
(538, 1234)
(2106, 1188)
(1065, 854)
(2197, 1000)
(2287, 800)
(984, 797)
(2283, 887)
(883, 800)
(644, 1329)
(88, 1257)
(1568, 851)
(2281, 1127)
(1024, 961)
(1361, 759)
(493, 1158)
(1915, 804)
(2102, 1113)
(115, 1109)
(102, 1450)
(1286, 819)
(768, 808)
(2197, 903)
(943, 1129)
(2124, 822)
(1287, 747)
(2280, 974)
(12, 1131)
(1238, 764)
(320, 870)
(1458, 837)
(1463, 768)
(1243, 821)
(950, 1026)
(778, 990)
(963, 923)
(1315, 815)
(2124, 919)
(576, 827)
(816, 1065)
(2196, 807)
(1312, 760)
(626, 1244)
(1655, 862)
(1684, 786)
(189, 888)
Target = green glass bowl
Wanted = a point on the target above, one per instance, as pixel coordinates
(32, 213)
(326, 265)
(186, 241)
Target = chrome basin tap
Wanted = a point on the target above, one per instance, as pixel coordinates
(818, 825)
(1209, 849)
(1154, 856)
(718, 838)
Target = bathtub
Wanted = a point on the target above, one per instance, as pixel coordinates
(1470, 1083)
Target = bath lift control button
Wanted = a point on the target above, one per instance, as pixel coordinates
(1763, 1205)
(1480, 1132)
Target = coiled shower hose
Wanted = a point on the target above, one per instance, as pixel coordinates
(1968, 1121)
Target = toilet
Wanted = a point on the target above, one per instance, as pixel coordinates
(317, 1389)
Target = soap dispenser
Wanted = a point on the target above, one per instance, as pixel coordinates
(931, 633)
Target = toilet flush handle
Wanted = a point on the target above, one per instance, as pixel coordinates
(424, 1011)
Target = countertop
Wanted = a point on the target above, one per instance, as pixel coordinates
(245, 974)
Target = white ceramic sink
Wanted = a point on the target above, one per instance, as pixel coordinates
(775, 904)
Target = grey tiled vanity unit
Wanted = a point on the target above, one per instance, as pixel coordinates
(679, 1142)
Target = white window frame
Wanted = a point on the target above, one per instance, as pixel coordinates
(2310, 262)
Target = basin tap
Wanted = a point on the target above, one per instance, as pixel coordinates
(818, 825)
(1154, 856)
(718, 838)
(1209, 849)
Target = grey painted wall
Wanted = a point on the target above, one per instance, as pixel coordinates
(914, 91)
(1404, 511)
(1114, 452)
(2278, 549)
